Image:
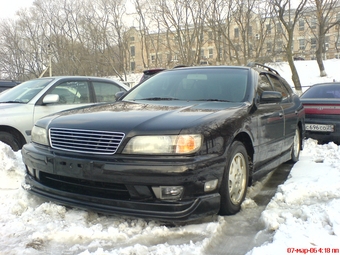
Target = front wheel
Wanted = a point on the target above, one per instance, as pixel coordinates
(235, 179)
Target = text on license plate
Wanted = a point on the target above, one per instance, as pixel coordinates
(319, 127)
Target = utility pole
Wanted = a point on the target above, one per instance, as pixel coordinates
(50, 58)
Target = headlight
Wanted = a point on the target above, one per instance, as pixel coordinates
(39, 135)
(167, 144)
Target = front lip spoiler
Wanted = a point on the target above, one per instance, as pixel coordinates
(179, 211)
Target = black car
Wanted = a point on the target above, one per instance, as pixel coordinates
(322, 105)
(184, 144)
(7, 84)
(149, 73)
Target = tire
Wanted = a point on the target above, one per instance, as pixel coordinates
(11, 140)
(235, 180)
(296, 147)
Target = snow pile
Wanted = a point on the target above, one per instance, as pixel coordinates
(305, 212)
(302, 217)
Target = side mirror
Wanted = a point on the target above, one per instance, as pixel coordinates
(119, 94)
(51, 99)
(268, 97)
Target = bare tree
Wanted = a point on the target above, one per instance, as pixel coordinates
(22, 50)
(326, 17)
(219, 16)
(184, 22)
(151, 33)
(289, 18)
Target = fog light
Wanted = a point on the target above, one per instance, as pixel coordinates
(168, 192)
(210, 185)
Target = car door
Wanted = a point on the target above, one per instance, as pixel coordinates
(289, 111)
(270, 125)
(72, 93)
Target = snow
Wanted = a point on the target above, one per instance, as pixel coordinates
(303, 216)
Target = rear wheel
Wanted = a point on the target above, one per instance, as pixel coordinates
(296, 147)
(11, 140)
(235, 179)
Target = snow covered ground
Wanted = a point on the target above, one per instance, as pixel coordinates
(303, 216)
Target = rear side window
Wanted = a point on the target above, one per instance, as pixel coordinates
(105, 92)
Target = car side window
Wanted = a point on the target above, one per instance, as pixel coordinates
(278, 86)
(263, 85)
(72, 92)
(105, 92)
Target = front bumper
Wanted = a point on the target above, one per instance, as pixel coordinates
(122, 185)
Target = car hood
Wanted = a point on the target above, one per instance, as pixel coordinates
(169, 118)
(6, 106)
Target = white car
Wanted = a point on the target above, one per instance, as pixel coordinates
(24, 104)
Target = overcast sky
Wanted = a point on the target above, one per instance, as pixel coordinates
(9, 7)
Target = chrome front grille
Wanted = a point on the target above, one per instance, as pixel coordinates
(85, 141)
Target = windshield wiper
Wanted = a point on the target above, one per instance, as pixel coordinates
(12, 102)
(214, 99)
(159, 98)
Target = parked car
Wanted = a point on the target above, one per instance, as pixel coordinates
(149, 73)
(7, 84)
(24, 104)
(322, 105)
(182, 145)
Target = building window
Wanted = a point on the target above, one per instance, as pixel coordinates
(269, 47)
(202, 37)
(279, 27)
(210, 35)
(313, 43)
(301, 25)
(279, 47)
(132, 51)
(236, 32)
(250, 30)
(133, 66)
(338, 17)
(211, 53)
(132, 38)
(313, 23)
(302, 44)
(153, 58)
(202, 53)
(269, 29)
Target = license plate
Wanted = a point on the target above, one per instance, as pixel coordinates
(319, 127)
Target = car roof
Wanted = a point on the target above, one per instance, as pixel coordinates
(87, 77)
(153, 71)
(8, 83)
(325, 84)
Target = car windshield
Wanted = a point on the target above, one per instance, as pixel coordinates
(24, 92)
(322, 91)
(194, 84)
